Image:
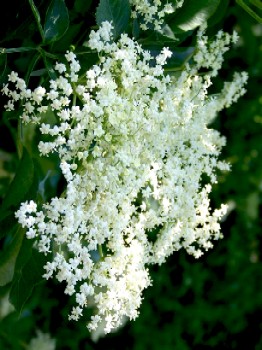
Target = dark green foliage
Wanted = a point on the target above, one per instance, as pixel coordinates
(21, 183)
(9, 255)
(28, 273)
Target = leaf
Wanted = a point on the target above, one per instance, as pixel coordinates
(9, 255)
(219, 14)
(7, 221)
(167, 32)
(193, 14)
(72, 34)
(28, 274)
(21, 182)
(179, 56)
(57, 21)
(135, 28)
(115, 11)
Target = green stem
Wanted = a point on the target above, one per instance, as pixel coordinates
(257, 3)
(37, 17)
(50, 55)
(32, 64)
(74, 99)
(49, 67)
(17, 49)
(20, 139)
(249, 10)
(100, 250)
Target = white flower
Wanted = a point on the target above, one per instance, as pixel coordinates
(133, 150)
(153, 11)
(38, 94)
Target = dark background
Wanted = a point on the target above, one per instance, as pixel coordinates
(211, 303)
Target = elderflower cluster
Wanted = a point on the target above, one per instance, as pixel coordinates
(217, 47)
(135, 146)
(153, 12)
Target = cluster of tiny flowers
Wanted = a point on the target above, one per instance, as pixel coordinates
(153, 12)
(134, 146)
(210, 54)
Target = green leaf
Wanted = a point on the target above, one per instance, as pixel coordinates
(21, 183)
(57, 21)
(115, 11)
(7, 221)
(72, 35)
(135, 28)
(28, 274)
(193, 14)
(219, 14)
(180, 56)
(9, 255)
(167, 32)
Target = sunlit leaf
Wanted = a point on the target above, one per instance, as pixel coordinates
(193, 14)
